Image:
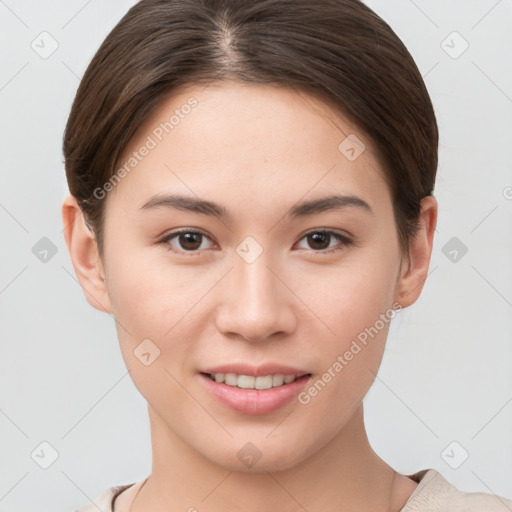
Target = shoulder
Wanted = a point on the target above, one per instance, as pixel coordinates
(105, 500)
(435, 494)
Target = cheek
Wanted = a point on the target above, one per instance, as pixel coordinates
(350, 359)
(148, 296)
(153, 300)
(152, 325)
(353, 296)
(356, 307)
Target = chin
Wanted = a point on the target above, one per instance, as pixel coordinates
(250, 459)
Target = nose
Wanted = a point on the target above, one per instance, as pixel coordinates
(256, 303)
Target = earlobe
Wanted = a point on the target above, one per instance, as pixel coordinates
(414, 274)
(83, 250)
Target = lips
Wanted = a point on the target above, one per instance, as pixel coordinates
(254, 390)
(255, 371)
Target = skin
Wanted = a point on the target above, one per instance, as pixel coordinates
(256, 150)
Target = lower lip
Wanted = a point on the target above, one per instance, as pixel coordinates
(255, 401)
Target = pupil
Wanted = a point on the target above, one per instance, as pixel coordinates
(319, 236)
(189, 238)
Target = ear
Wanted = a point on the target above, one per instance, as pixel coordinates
(412, 276)
(83, 249)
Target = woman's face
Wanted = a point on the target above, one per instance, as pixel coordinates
(260, 285)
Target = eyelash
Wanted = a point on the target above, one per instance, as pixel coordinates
(347, 242)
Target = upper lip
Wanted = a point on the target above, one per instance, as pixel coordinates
(255, 371)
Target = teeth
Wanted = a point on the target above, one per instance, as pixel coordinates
(250, 382)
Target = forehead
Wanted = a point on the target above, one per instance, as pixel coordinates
(258, 142)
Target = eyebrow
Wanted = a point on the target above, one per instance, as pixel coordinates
(204, 207)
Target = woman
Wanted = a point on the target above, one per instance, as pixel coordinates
(251, 196)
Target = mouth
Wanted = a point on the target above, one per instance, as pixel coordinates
(252, 382)
(254, 394)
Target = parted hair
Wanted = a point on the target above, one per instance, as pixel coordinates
(337, 50)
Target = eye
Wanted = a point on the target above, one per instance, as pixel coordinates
(189, 240)
(322, 237)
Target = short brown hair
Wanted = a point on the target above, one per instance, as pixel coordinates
(338, 50)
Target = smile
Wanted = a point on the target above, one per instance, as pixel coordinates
(251, 382)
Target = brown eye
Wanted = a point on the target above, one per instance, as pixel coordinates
(186, 241)
(190, 241)
(320, 240)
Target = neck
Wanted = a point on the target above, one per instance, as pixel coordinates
(345, 474)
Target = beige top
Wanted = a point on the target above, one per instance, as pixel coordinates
(433, 494)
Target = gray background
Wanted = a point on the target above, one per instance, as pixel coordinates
(444, 389)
